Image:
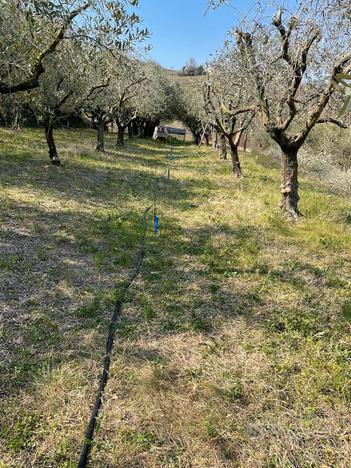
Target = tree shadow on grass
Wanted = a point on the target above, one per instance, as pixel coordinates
(65, 290)
(58, 274)
(216, 273)
(64, 252)
(61, 265)
(187, 288)
(59, 277)
(78, 183)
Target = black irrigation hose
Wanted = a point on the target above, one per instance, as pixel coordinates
(89, 435)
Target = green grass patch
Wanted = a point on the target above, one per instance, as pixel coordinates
(233, 347)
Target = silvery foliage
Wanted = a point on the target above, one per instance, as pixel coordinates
(228, 96)
(32, 29)
(69, 82)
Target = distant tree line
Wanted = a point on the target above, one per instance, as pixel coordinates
(191, 68)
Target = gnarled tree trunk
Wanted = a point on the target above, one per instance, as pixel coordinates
(236, 168)
(290, 186)
(100, 135)
(49, 134)
(223, 146)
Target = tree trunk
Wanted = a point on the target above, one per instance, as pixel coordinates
(235, 157)
(136, 128)
(130, 130)
(245, 142)
(49, 133)
(17, 120)
(197, 136)
(101, 135)
(214, 140)
(120, 135)
(289, 186)
(145, 129)
(223, 146)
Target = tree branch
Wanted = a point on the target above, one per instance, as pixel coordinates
(37, 68)
(332, 121)
(285, 35)
(62, 101)
(244, 42)
(344, 61)
(299, 68)
(97, 88)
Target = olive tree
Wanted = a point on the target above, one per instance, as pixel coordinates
(125, 92)
(189, 104)
(295, 61)
(68, 84)
(117, 99)
(31, 30)
(156, 100)
(29, 35)
(228, 102)
(96, 110)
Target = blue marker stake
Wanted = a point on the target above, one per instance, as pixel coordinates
(156, 224)
(170, 156)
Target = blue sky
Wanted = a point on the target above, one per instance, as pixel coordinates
(180, 29)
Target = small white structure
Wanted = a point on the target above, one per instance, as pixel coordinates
(160, 132)
(176, 131)
(163, 132)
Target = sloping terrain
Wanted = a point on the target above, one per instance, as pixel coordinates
(234, 348)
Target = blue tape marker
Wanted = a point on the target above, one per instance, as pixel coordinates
(156, 224)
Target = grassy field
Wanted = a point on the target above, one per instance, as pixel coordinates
(234, 349)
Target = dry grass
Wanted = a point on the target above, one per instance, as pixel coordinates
(234, 348)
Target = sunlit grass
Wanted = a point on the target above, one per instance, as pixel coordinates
(234, 346)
